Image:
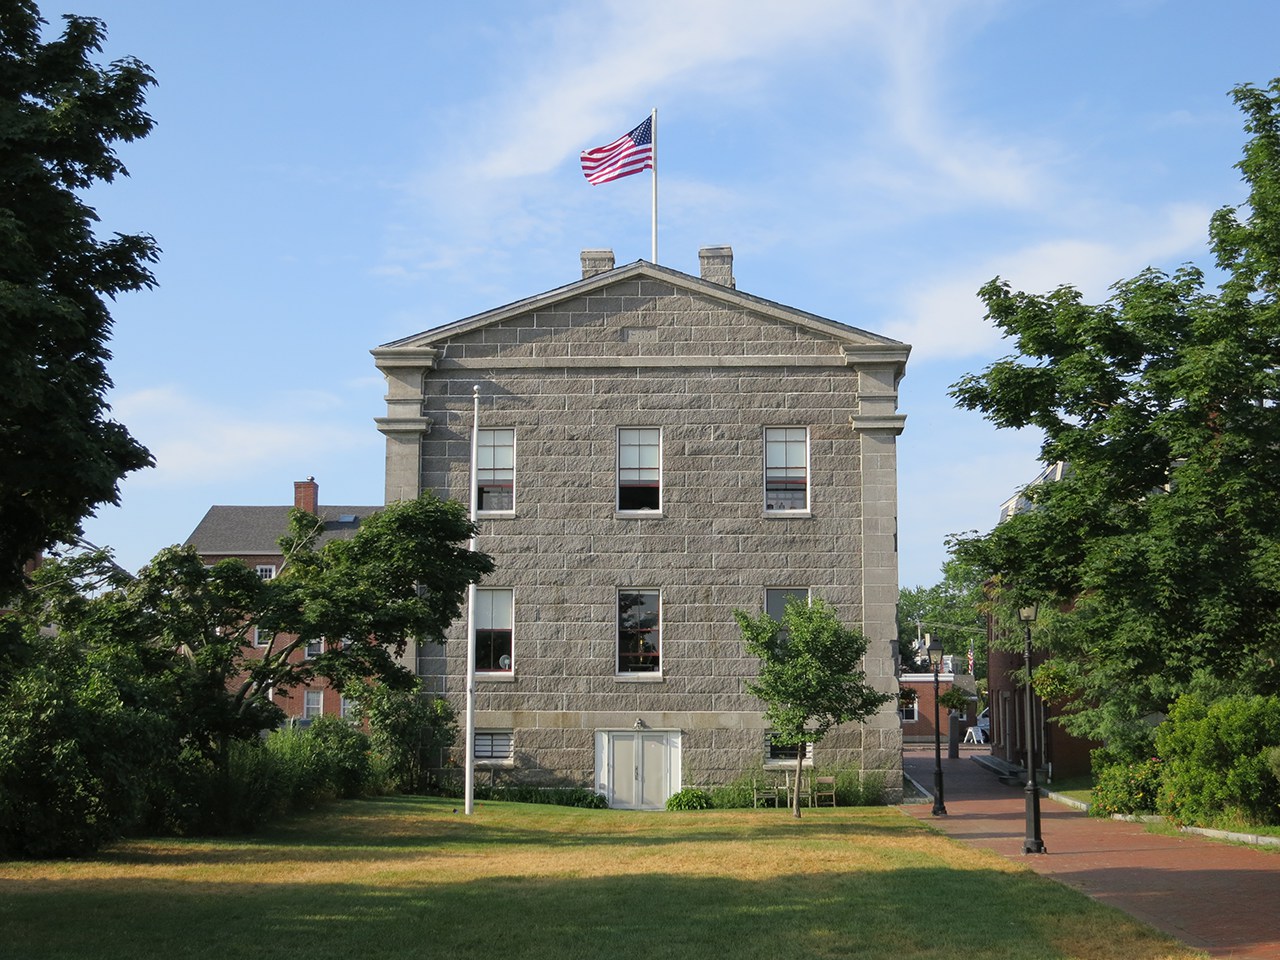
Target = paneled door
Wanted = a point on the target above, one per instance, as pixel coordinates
(638, 769)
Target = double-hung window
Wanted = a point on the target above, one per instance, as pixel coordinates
(495, 470)
(313, 649)
(312, 704)
(494, 630)
(639, 468)
(786, 469)
(639, 631)
(265, 571)
(909, 709)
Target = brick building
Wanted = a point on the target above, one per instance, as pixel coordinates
(916, 707)
(655, 450)
(252, 534)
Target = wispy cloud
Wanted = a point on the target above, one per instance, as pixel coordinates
(196, 441)
(488, 184)
(945, 317)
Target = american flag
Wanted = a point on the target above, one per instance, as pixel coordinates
(630, 153)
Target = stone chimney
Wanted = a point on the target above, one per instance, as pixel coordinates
(306, 495)
(717, 265)
(596, 261)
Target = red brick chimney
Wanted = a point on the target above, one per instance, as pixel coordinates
(306, 495)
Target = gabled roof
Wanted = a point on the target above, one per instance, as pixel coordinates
(256, 531)
(873, 343)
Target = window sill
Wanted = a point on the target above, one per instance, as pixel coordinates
(496, 677)
(489, 764)
(639, 678)
(636, 514)
(495, 514)
(787, 765)
(793, 514)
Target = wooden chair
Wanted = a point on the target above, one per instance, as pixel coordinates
(763, 791)
(822, 790)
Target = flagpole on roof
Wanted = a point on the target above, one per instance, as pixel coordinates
(654, 118)
(470, 788)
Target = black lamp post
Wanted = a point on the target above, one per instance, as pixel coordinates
(935, 658)
(1033, 843)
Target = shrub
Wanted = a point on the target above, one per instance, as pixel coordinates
(409, 731)
(954, 699)
(690, 798)
(734, 795)
(81, 753)
(529, 793)
(346, 750)
(304, 769)
(854, 788)
(1216, 760)
(1126, 788)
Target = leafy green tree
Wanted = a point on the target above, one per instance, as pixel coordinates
(811, 676)
(1157, 555)
(149, 676)
(84, 734)
(410, 730)
(60, 116)
(953, 610)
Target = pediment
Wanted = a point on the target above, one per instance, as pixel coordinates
(644, 312)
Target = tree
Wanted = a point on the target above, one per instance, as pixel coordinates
(953, 610)
(60, 115)
(811, 675)
(1159, 551)
(150, 675)
(411, 731)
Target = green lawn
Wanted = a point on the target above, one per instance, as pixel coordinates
(409, 877)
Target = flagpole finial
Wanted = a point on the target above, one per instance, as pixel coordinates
(475, 389)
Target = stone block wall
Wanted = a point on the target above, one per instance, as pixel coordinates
(648, 353)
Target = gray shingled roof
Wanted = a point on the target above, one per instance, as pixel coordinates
(247, 531)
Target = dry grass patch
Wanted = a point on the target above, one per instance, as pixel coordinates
(412, 878)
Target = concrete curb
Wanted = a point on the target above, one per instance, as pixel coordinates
(1251, 839)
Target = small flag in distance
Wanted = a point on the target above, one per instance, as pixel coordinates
(630, 153)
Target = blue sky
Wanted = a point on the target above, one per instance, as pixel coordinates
(323, 179)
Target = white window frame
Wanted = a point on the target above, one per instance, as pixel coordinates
(312, 704)
(487, 462)
(485, 612)
(772, 762)
(261, 638)
(265, 571)
(346, 708)
(657, 630)
(630, 439)
(312, 649)
(787, 437)
(495, 748)
(910, 712)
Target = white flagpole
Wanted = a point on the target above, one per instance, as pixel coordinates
(470, 789)
(653, 133)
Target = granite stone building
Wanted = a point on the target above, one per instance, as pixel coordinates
(654, 451)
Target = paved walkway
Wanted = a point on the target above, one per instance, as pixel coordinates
(1218, 897)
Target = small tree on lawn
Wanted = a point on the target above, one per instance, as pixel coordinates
(811, 676)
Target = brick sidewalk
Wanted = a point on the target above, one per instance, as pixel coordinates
(1217, 897)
